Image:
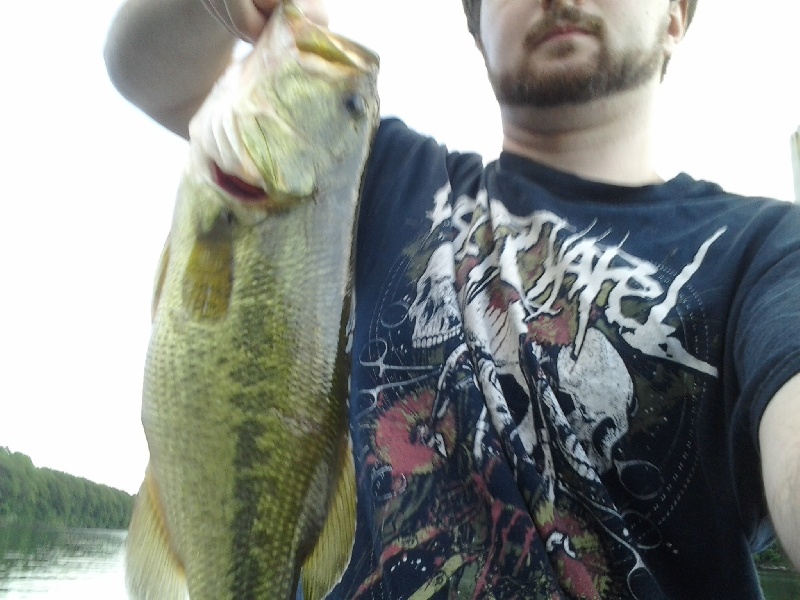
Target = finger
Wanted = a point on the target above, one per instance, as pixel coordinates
(240, 17)
(266, 6)
(248, 19)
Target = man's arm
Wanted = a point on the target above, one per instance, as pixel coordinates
(779, 436)
(164, 56)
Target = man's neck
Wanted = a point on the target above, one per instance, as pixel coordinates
(607, 140)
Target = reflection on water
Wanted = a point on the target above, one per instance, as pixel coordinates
(75, 563)
(38, 564)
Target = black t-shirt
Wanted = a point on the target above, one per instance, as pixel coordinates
(557, 383)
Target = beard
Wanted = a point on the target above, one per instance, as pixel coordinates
(604, 75)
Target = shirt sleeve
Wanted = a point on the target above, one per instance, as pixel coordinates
(765, 335)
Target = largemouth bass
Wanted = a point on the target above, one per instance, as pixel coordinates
(251, 479)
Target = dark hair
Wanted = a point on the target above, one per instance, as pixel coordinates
(472, 8)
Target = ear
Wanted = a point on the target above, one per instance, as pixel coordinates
(678, 19)
(676, 26)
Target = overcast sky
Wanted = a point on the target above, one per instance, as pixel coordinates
(89, 183)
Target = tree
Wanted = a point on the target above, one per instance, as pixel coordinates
(29, 495)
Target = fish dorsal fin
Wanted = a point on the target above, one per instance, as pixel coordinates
(208, 279)
(324, 566)
(152, 570)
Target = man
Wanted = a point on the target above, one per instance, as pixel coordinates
(570, 378)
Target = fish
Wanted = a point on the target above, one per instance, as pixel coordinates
(249, 491)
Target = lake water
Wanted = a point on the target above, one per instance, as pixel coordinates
(74, 563)
(86, 564)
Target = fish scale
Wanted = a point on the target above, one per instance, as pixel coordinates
(250, 480)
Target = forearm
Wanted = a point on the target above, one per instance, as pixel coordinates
(779, 435)
(165, 55)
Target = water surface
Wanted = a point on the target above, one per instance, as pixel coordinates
(72, 563)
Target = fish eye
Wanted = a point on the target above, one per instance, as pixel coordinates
(355, 105)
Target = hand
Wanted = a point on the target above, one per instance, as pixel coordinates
(246, 18)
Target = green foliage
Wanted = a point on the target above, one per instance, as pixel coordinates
(29, 495)
(772, 557)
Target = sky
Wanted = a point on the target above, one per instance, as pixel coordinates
(89, 182)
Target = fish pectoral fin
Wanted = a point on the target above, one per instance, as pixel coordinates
(161, 277)
(208, 279)
(324, 566)
(152, 570)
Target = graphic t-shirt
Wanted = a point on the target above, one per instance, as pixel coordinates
(557, 384)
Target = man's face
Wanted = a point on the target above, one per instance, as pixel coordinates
(546, 53)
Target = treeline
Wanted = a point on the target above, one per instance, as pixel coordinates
(31, 495)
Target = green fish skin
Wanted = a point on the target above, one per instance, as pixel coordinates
(250, 487)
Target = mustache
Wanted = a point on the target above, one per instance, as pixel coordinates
(562, 16)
